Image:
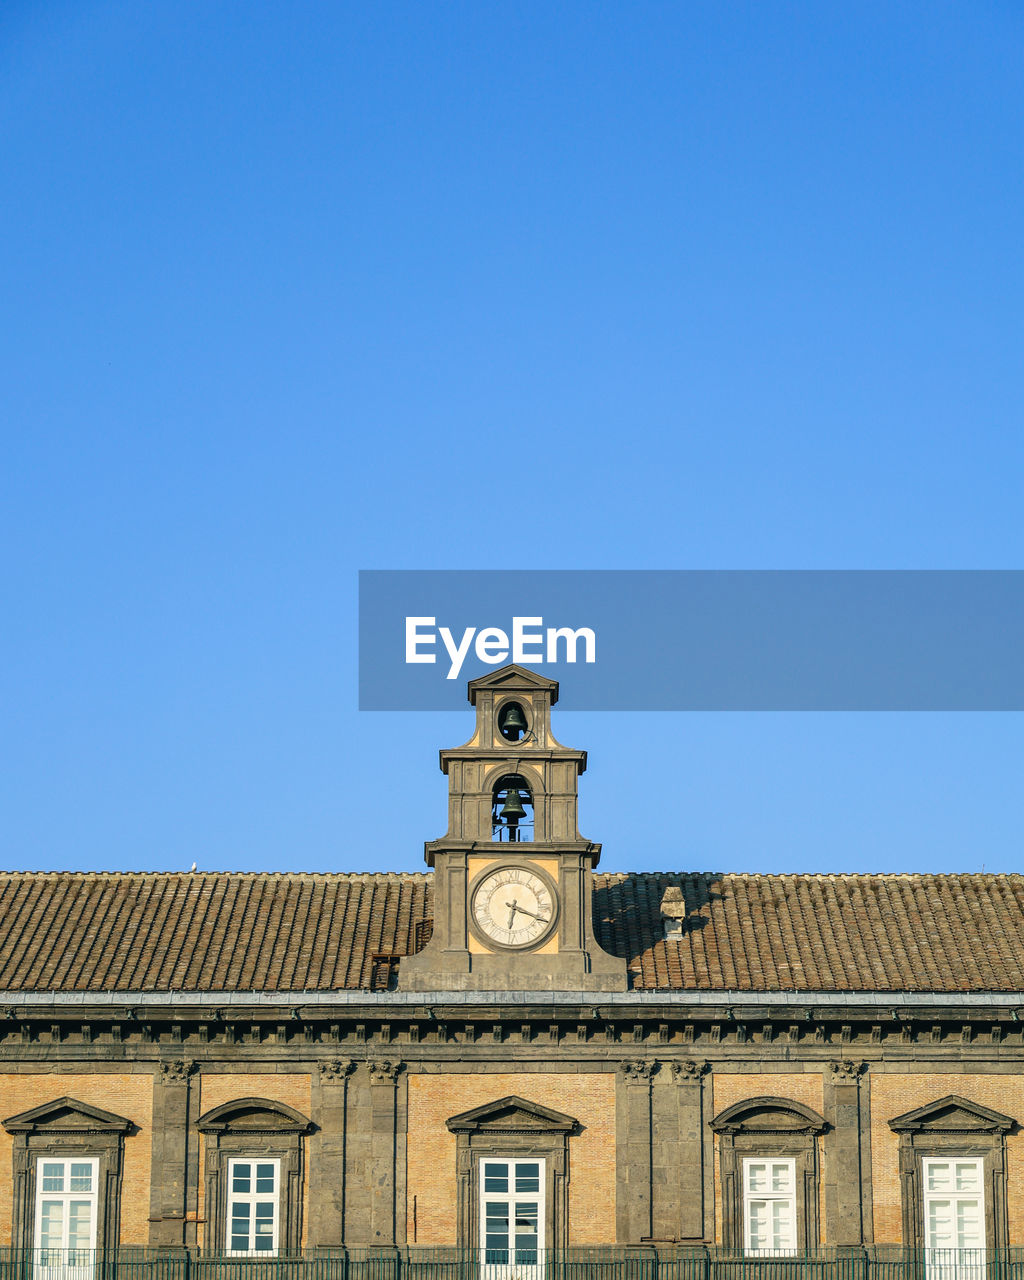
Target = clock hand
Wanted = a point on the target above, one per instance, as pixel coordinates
(526, 911)
(512, 909)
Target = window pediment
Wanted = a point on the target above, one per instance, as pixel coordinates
(67, 1115)
(253, 1115)
(512, 1115)
(768, 1115)
(952, 1114)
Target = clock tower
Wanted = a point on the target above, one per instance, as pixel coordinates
(513, 877)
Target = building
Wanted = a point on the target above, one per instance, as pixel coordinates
(513, 1055)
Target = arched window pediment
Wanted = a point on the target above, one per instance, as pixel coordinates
(253, 1115)
(246, 1130)
(768, 1115)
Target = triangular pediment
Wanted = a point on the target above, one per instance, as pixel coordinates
(512, 1115)
(952, 1114)
(66, 1115)
(512, 678)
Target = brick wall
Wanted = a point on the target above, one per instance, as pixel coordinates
(130, 1096)
(892, 1095)
(431, 1175)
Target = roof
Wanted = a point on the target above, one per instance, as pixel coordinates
(90, 932)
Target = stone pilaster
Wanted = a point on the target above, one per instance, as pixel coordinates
(633, 1172)
(327, 1154)
(381, 1167)
(678, 1152)
(844, 1209)
(167, 1204)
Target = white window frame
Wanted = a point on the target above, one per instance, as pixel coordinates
(252, 1198)
(958, 1262)
(513, 1268)
(769, 1198)
(68, 1265)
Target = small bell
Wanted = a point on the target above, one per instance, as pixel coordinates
(512, 811)
(512, 722)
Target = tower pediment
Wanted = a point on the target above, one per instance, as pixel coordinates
(513, 677)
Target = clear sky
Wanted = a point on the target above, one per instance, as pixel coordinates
(291, 290)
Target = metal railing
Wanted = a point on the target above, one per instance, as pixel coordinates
(656, 1261)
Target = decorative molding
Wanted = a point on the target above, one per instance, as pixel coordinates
(512, 1114)
(845, 1071)
(335, 1069)
(67, 1116)
(251, 1116)
(952, 1114)
(769, 1115)
(687, 1070)
(637, 1070)
(177, 1071)
(518, 1127)
(254, 1127)
(65, 1126)
(383, 1070)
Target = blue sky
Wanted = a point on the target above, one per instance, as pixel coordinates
(294, 290)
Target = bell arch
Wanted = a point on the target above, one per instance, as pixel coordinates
(512, 809)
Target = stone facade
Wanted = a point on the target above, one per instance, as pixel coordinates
(379, 1164)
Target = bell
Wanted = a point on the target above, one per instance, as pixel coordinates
(512, 810)
(513, 722)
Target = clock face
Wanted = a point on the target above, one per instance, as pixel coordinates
(514, 906)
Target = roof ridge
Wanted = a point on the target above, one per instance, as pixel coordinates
(397, 876)
(361, 876)
(822, 875)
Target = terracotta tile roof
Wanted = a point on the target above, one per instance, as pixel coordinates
(203, 932)
(819, 932)
(297, 932)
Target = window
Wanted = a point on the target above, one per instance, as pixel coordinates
(254, 1173)
(768, 1157)
(512, 1164)
(769, 1206)
(954, 1218)
(68, 1157)
(65, 1226)
(952, 1156)
(511, 1212)
(252, 1206)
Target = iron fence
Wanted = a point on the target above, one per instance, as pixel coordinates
(655, 1261)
